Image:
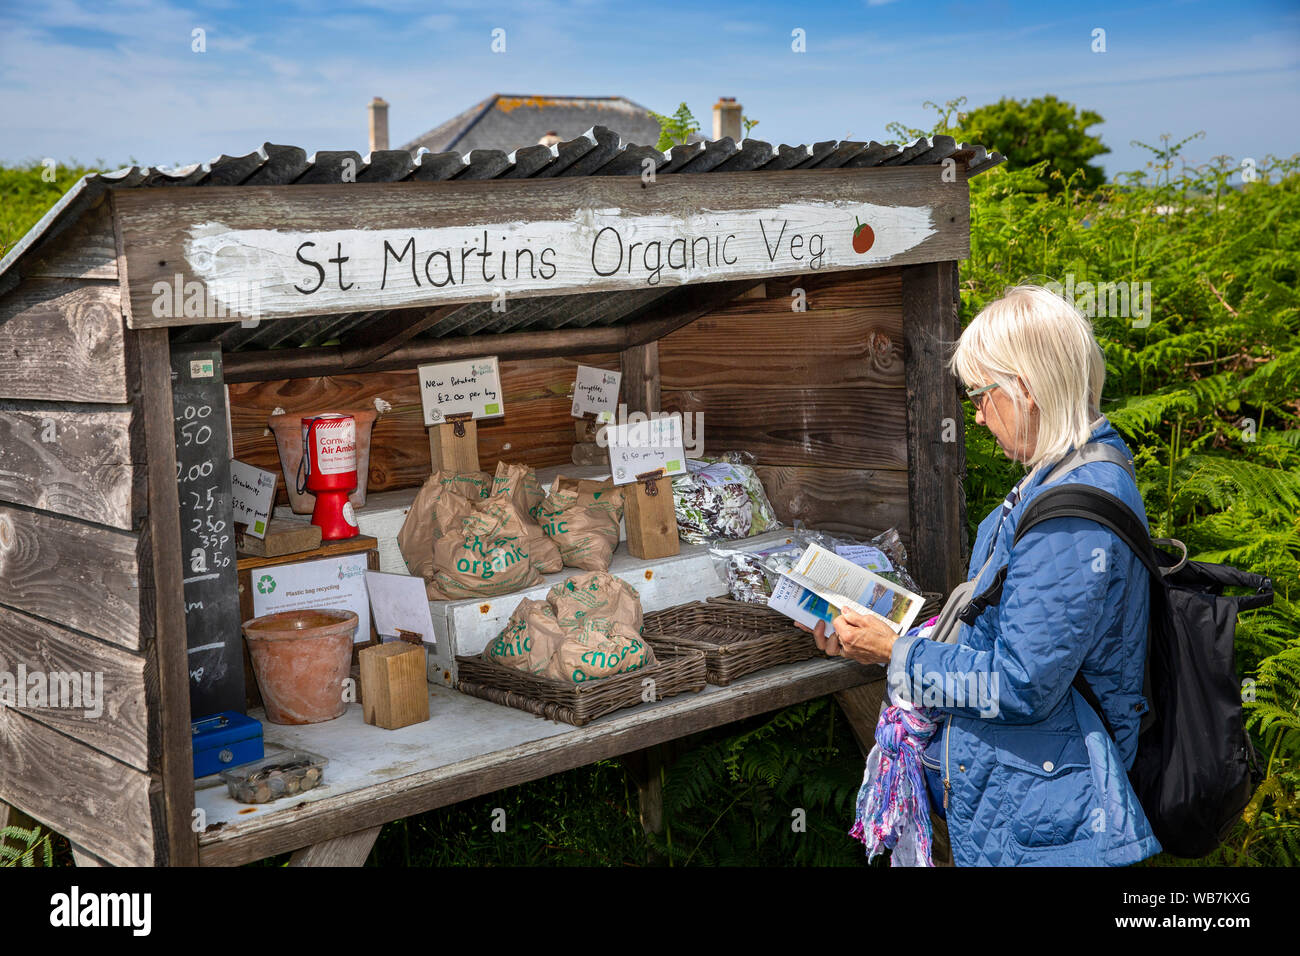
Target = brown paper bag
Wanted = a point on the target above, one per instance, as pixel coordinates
(519, 481)
(415, 539)
(487, 557)
(582, 518)
(596, 596)
(592, 652)
(518, 484)
(421, 527)
(530, 638)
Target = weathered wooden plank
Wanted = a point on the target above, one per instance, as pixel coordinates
(353, 849)
(372, 245)
(612, 736)
(537, 426)
(162, 601)
(640, 386)
(62, 340)
(855, 502)
(936, 449)
(842, 427)
(860, 289)
(84, 858)
(861, 705)
(86, 250)
(80, 575)
(106, 685)
(832, 348)
(80, 460)
(92, 799)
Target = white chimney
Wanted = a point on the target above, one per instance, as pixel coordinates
(378, 124)
(726, 119)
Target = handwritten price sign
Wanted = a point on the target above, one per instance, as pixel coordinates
(453, 388)
(596, 392)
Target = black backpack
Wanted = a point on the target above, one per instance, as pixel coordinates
(1196, 768)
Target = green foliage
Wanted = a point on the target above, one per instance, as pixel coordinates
(1205, 389)
(20, 846)
(675, 130)
(1041, 130)
(779, 792)
(28, 191)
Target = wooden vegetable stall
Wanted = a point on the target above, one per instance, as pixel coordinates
(750, 295)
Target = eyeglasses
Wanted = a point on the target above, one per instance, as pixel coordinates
(974, 393)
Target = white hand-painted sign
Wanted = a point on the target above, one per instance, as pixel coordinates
(638, 447)
(595, 391)
(451, 388)
(252, 493)
(289, 272)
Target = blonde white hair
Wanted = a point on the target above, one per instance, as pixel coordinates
(1040, 338)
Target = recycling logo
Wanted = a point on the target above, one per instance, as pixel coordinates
(265, 584)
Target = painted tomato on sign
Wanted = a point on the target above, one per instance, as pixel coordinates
(863, 237)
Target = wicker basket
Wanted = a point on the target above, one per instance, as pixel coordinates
(675, 671)
(932, 606)
(737, 638)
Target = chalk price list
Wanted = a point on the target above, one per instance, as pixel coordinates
(199, 496)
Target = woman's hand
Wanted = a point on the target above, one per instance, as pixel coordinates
(860, 637)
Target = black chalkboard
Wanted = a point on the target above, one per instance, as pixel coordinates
(212, 625)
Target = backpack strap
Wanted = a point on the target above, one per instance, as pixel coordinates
(1094, 504)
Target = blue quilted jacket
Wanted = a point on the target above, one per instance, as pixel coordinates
(1032, 776)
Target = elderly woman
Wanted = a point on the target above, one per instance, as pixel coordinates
(1029, 775)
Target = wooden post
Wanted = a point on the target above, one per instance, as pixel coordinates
(861, 706)
(640, 365)
(350, 850)
(453, 454)
(178, 844)
(645, 767)
(936, 446)
(651, 520)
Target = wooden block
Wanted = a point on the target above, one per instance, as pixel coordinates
(651, 521)
(395, 689)
(451, 454)
(589, 453)
(282, 537)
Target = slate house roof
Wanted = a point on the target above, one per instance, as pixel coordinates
(506, 122)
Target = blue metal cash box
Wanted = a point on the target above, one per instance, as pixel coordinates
(223, 741)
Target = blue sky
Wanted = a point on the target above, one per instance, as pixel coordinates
(117, 79)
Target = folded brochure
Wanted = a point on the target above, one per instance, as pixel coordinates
(821, 583)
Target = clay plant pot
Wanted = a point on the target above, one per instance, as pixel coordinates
(301, 659)
(288, 439)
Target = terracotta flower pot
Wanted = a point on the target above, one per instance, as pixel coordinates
(288, 439)
(301, 659)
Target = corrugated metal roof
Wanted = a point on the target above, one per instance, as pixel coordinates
(597, 152)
